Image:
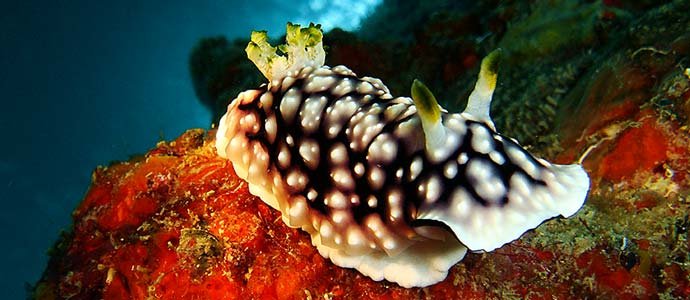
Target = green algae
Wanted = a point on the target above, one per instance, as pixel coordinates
(552, 26)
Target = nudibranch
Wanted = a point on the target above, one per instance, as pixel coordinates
(395, 187)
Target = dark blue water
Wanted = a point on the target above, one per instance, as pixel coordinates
(87, 82)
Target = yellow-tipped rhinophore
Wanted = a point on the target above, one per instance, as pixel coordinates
(479, 103)
(489, 69)
(430, 115)
(424, 100)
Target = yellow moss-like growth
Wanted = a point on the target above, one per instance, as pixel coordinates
(303, 48)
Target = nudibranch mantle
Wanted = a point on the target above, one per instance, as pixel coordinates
(395, 187)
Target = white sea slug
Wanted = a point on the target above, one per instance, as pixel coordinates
(395, 187)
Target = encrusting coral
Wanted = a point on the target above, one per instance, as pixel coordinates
(174, 224)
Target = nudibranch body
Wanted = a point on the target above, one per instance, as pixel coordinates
(395, 187)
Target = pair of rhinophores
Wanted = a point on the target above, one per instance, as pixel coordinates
(397, 188)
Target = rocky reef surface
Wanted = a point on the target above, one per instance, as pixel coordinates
(607, 81)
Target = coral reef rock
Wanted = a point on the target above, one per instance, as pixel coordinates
(176, 223)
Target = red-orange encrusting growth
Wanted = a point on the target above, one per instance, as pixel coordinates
(639, 148)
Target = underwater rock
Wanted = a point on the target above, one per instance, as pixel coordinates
(172, 224)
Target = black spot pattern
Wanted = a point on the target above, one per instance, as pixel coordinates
(505, 170)
(320, 179)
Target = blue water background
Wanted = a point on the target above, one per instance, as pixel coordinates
(84, 83)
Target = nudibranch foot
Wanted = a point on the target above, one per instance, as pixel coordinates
(421, 264)
(394, 187)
